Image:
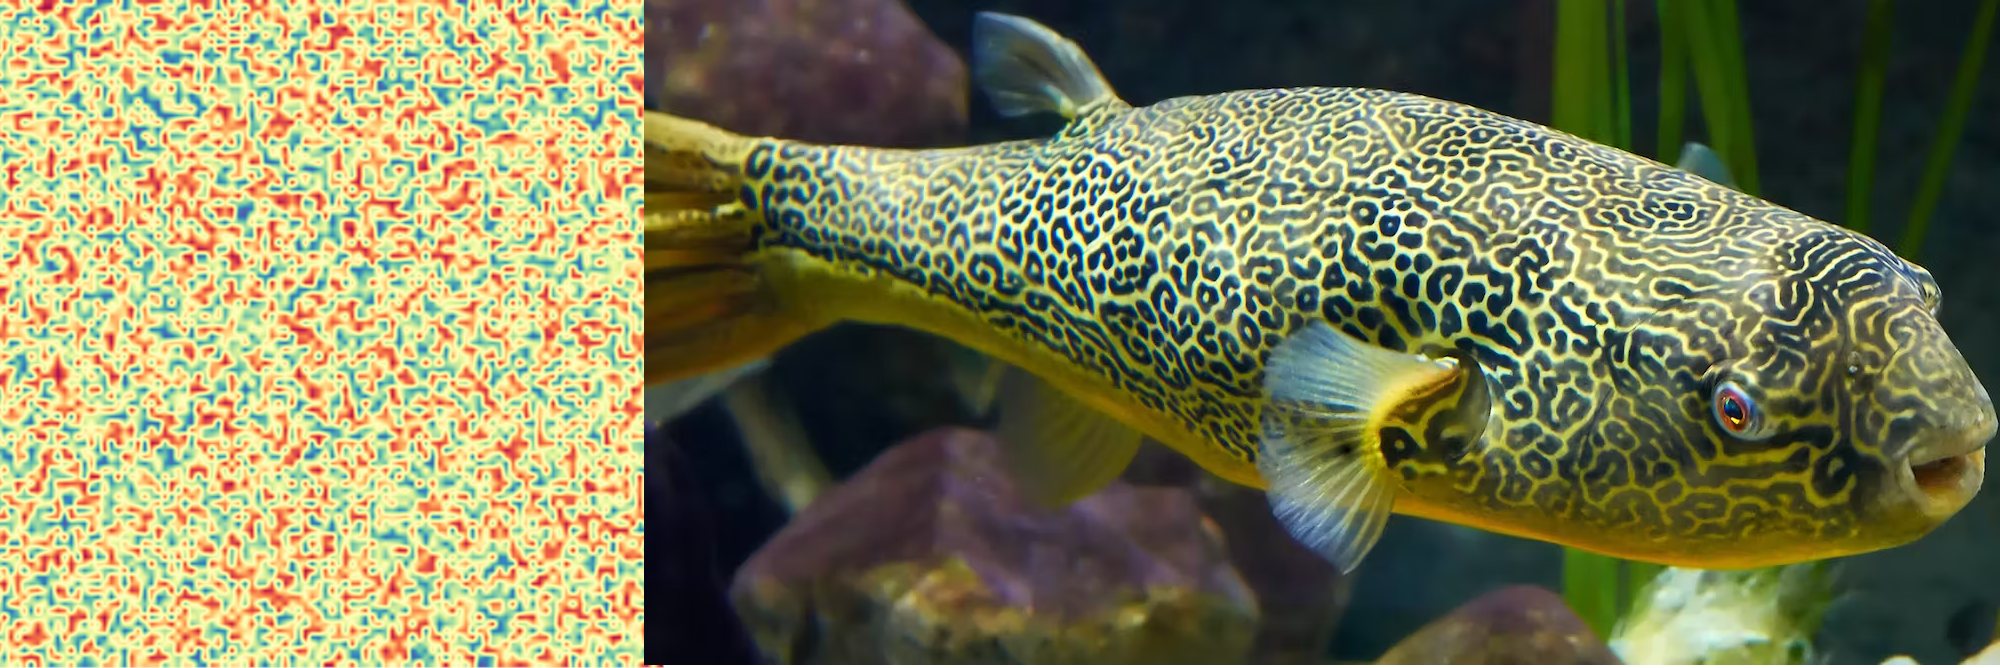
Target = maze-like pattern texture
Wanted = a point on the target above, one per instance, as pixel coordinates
(318, 333)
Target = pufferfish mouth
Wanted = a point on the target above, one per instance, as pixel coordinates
(1945, 473)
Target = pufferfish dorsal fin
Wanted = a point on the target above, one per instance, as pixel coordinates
(1057, 449)
(1327, 394)
(1698, 159)
(1026, 68)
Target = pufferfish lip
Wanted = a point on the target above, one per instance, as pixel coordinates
(1944, 473)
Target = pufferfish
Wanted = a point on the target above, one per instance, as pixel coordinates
(1364, 302)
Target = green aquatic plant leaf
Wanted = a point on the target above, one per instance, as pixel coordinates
(1581, 85)
(1715, 52)
(1673, 81)
(1867, 114)
(1591, 587)
(1621, 81)
(1957, 108)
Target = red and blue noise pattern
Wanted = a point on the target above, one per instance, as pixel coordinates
(320, 333)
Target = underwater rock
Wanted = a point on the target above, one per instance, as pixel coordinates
(1300, 595)
(1759, 616)
(1986, 657)
(1518, 624)
(930, 555)
(830, 71)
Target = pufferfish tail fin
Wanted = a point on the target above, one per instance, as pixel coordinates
(707, 309)
(1027, 68)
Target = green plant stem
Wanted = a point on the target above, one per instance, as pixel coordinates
(1621, 100)
(1731, 37)
(1867, 113)
(1591, 585)
(1717, 58)
(1957, 108)
(1673, 82)
(1637, 575)
(1580, 105)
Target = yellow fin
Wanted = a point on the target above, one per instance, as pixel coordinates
(1326, 392)
(1026, 68)
(1058, 449)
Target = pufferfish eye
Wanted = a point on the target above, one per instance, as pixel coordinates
(1736, 413)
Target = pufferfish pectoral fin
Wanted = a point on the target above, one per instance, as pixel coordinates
(1320, 455)
(1058, 449)
(1026, 68)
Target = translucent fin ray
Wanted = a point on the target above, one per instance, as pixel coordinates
(1026, 68)
(1318, 455)
(1058, 449)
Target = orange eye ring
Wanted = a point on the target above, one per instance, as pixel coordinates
(1734, 411)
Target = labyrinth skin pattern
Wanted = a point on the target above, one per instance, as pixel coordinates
(318, 334)
(1149, 260)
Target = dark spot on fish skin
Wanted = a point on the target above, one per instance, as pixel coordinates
(1398, 445)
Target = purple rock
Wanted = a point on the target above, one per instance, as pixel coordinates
(1518, 624)
(1300, 595)
(930, 555)
(830, 71)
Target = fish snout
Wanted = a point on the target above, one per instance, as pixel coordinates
(1981, 426)
(1946, 472)
(1984, 413)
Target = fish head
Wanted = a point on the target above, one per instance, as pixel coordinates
(1924, 413)
(1831, 385)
